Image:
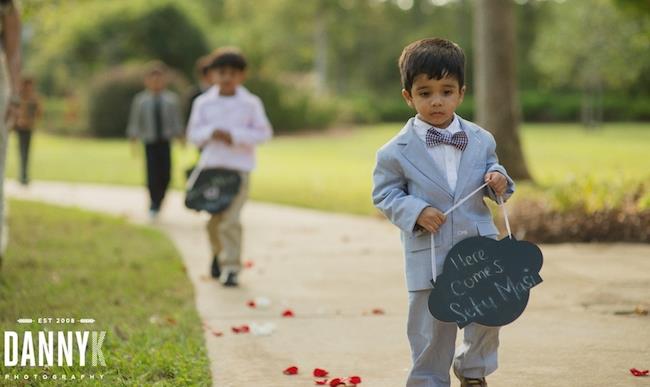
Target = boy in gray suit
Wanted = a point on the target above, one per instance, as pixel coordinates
(435, 161)
(155, 119)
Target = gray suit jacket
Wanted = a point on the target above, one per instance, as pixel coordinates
(406, 180)
(142, 121)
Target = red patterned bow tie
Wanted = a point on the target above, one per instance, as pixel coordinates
(434, 137)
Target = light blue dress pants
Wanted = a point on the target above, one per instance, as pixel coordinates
(433, 347)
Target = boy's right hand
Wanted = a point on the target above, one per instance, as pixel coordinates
(431, 219)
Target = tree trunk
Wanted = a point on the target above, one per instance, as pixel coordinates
(495, 76)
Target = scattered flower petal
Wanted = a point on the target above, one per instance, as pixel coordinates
(320, 373)
(251, 303)
(378, 311)
(217, 333)
(248, 264)
(290, 370)
(241, 329)
(262, 329)
(262, 302)
(321, 382)
(336, 382)
(288, 313)
(354, 380)
(637, 372)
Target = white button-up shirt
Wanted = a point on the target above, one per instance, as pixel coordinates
(242, 115)
(446, 157)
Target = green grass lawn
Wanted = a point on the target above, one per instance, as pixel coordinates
(67, 263)
(333, 171)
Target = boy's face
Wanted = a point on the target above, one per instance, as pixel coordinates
(227, 78)
(435, 100)
(27, 87)
(156, 82)
(206, 79)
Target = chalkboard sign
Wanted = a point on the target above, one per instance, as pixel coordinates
(213, 190)
(486, 281)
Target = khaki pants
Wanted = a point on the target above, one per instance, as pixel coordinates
(225, 230)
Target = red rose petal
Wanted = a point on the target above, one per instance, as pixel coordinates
(241, 329)
(321, 382)
(290, 370)
(288, 313)
(378, 311)
(354, 380)
(637, 372)
(251, 303)
(217, 333)
(320, 373)
(336, 382)
(248, 264)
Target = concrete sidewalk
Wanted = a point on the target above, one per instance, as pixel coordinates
(333, 269)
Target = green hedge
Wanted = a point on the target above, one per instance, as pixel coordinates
(535, 106)
(291, 110)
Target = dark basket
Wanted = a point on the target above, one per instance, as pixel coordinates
(213, 190)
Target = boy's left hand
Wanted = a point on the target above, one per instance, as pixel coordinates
(222, 135)
(497, 182)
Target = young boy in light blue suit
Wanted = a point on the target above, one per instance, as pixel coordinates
(434, 162)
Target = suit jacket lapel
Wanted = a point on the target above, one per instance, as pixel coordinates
(416, 153)
(467, 159)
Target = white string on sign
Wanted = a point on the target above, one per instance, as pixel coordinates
(505, 215)
(434, 268)
(191, 179)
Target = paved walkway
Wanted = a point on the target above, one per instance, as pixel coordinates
(333, 269)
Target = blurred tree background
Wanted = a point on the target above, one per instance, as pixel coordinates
(321, 62)
(316, 64)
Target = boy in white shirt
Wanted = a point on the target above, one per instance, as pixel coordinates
(227, 122)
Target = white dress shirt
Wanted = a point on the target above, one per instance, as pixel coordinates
(242, 115)
(446, 157)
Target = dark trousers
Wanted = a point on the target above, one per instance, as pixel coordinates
(159, 163)
(24, 140)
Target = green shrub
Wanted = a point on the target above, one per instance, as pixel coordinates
(111, 94)
(98, 35)
(65, 116)
(585, 210)
(291, 110)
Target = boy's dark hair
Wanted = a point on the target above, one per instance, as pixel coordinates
(156, 67)
(228, 57)
(435, 57)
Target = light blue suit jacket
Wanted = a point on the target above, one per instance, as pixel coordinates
(406, 180)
